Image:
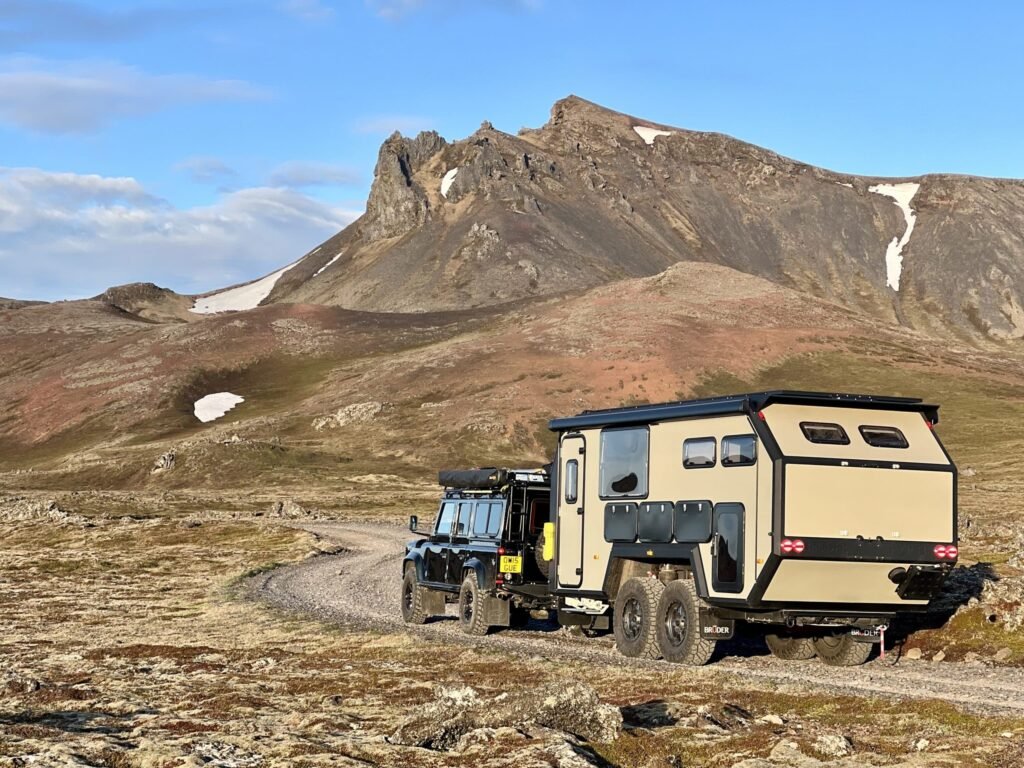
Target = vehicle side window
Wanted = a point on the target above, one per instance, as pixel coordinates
(884, 437)
(828, 434)
(572, 481)
(465, 510)
(739, 450)
(624, 460)
(699, 452)
(487, 521)
(443, 527)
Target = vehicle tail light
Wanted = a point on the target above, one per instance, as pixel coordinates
(501, 550)
(791, 546)
(946, 551)
(761, 416)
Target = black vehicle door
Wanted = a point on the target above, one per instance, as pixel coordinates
(727, 548)
(435, 554)
(459, 550)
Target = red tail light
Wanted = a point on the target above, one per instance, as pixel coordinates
(791, 546)
(946, 551)
(501, 550)
(952, 553)
(940, 550)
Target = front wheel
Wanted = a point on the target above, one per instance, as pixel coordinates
(471, 608)
(678, 625)
(842, 650)
(414, 609)
(635, 608)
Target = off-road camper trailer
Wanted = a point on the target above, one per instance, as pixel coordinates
(821, 516)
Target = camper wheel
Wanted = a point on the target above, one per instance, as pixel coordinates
(678, 625)
(414, 609)
(842, 650)
(636, 607)
(790, 648)
(472, 617)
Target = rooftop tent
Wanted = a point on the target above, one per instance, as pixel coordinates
(488, 477)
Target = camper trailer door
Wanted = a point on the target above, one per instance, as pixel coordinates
(573, 459)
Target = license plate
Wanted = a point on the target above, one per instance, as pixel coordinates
(511, 564)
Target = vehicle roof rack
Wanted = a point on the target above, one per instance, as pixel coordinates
(488, 478)
(742, 403)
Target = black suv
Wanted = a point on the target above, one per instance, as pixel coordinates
(486, 550)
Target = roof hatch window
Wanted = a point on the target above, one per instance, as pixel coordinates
(827, 434)
(884, 437)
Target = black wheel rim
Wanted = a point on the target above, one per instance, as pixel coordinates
(632, 619)
(467, 607)
(675, 623)
(407, 598)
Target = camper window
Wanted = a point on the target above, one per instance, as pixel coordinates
(739, 450)
(624, 458)
(699, 452)
(572, 476)
(884, 437)
(829, 434)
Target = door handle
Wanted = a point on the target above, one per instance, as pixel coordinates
(579, 510)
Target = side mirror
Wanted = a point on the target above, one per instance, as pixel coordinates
(414, 523)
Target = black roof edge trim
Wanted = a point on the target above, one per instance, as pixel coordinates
(742, 403)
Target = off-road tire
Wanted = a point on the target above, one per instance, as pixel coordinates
(790, 648)
(634, 620)
(471, 608)
(842, 650)
(413, 609)
(543, 565)
(678, 625)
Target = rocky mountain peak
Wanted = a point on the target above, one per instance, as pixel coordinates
(397, 203)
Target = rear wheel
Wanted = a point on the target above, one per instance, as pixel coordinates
(636, 607)
(842, 650)
(413, 605)
(471, 608)
(678, 625)
(790, 648)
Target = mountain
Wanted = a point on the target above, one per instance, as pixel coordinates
(596, 196)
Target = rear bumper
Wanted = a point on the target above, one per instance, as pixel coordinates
(870, 550)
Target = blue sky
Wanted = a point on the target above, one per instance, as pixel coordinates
(198, 144)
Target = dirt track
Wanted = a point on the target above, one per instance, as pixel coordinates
(359, 587)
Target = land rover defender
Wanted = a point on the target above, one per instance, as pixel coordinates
(820, 517)
(485, 550)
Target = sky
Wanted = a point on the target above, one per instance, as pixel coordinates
(201, 144)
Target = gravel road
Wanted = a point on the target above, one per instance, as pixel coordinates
(360, 585)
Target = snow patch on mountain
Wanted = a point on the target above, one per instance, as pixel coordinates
(241, 298)
(446, 182)
(649, 134)
(325, 266)
(902, 194)
(212, 407)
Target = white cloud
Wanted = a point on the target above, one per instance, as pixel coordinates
(23, 22)
(300, 174)
(308, 10)
(388, 124)
(82, 97)
(66, 235)
(206, 170)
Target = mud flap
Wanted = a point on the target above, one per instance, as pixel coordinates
(433, 602)
(715, 628)
(496, 611)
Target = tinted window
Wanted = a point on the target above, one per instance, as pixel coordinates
(699, 452)
(738, 450)
(445, 519)
(487, 521)
(539, 514)
(884, 437)
(624, 462)
(572, 471)
(727, 569)
(693, 521)
(830, 434)
(465, 510)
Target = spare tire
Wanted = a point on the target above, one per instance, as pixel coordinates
(543, 564)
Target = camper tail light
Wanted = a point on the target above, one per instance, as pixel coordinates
(792, 546)
(946, 551)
